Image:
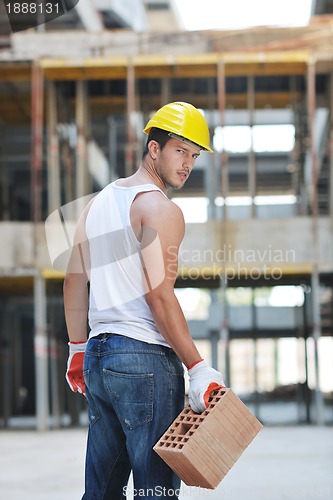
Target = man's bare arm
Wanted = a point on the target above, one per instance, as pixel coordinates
(166, 219)
(75, 285)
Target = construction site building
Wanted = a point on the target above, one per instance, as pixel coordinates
(257, 258)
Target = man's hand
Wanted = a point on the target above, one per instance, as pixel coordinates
(203, 380)
(74, 373)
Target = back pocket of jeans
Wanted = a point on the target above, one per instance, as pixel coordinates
(131, 395)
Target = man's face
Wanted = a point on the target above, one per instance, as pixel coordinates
(176, 162)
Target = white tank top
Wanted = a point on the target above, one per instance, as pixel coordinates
(118, 284)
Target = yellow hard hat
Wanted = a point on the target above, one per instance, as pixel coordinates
(184, 120)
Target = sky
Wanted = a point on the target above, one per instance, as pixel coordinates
(234, 14)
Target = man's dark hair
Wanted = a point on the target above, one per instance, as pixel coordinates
(158, 135)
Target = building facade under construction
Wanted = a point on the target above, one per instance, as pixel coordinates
(256, 265)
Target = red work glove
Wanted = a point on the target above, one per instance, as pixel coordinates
(74, 373)
(203, 380)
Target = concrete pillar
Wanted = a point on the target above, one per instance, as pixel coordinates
(214, 328)
(113, 145)
(4, 179)
(214, 337)
(37, 111)
(307, 395)
(319, 400)
(221, 100)
(315, 286)
(130, 158)
(251, 159)
(212, 171)
(225, 334)
(276, 362)
(41, 354)
(331, 149)
(211, 180)
(311, 105)
(53, 311)
(53, 161)
(165, 91)
(6, 352)
(82, 178)
(295, 154)
(255, 350)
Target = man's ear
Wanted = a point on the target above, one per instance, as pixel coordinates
(153, 148)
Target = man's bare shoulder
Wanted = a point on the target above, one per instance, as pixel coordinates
(154, 204)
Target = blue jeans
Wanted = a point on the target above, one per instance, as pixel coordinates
(134, 392)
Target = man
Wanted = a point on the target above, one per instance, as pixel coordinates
(139, 338)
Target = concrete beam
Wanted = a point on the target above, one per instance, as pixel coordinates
(262, 245)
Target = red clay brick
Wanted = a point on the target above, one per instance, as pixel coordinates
(201, 449)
